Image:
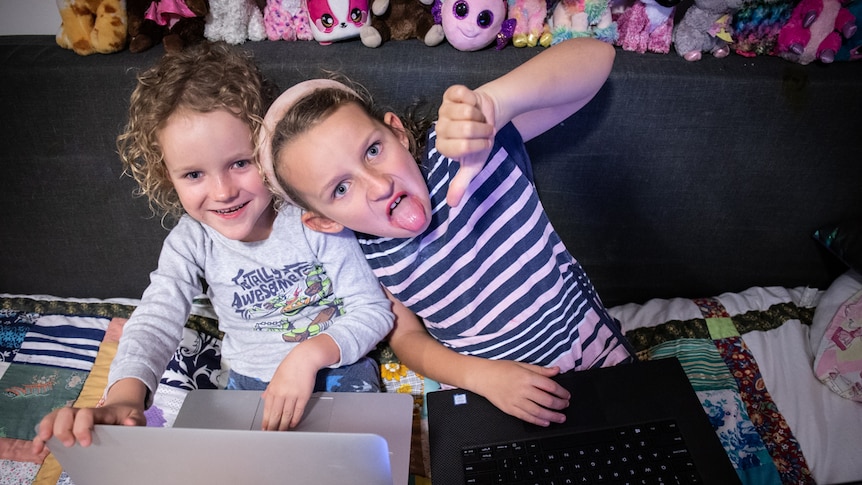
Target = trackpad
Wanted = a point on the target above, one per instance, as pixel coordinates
(317, 415)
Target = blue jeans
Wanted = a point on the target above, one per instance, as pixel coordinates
(362, 376)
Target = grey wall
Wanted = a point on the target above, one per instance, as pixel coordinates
(29, 17)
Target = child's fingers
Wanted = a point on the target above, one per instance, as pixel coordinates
(83, 427)
(463, 147)
(298, 411)
(459, 113)
(460, 94)
(44, 431)
(63, 426)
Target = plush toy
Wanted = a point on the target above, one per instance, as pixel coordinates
(647, 25)
(530, 26)
(704, 28)
(235, 21)
(334, 20)
(92, 26)
(582, 18)
(287, 20)
(756, 24)
(816, 31)
(174, 23)
(472, 25)
(401, 20)
(851, 50)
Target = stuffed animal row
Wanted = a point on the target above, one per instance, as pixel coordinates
(801, 31)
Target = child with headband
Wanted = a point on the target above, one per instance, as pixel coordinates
(459, 239)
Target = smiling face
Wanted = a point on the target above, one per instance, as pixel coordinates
(355, 172)
(209, 159)
(471, 25)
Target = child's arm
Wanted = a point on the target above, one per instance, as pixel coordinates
(535, 96)
(363, 320)
(522, 390)
(124, 405)
(291, 386)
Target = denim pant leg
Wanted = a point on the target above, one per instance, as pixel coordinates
(236, 380)
(363, 376)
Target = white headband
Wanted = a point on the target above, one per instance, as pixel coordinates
(274, 115)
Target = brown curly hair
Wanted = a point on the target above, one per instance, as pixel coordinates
(319, 104)
(204, 77)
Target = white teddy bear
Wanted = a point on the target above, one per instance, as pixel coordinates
(235, 21)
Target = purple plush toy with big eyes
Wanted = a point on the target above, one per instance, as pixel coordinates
(471, 25)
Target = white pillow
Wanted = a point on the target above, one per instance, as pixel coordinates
(844, 287)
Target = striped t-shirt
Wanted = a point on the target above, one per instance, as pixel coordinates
(491, 277)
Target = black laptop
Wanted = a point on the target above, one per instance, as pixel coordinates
(628, 424)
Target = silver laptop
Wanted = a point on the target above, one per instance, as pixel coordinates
(216, 439)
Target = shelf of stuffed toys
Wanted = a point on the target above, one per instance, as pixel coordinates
(799, 31)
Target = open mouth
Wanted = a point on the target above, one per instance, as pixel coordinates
(225, 212)
(395, 203)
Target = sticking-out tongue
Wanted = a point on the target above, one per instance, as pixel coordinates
(408, 214)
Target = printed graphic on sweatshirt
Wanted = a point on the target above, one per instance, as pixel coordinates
(296, 300)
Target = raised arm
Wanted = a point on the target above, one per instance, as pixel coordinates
(550, 87)
(535, 96)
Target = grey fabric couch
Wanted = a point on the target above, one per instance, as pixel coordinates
(678, 179)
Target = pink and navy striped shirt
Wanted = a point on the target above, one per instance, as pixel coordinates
(491, 277)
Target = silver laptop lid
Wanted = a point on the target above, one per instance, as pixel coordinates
(217, 429)
(389, 415)
(144, 456)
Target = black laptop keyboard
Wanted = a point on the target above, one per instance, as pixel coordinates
(646, 454)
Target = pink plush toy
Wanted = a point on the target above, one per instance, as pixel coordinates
(816, 31)
(334, 20)
(471, 25)
(530, 27)
(647, 25)
(286, 20)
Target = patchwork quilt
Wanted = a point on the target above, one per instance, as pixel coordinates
(727, 379)
(57, 352)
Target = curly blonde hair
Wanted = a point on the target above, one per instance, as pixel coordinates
(201, 78)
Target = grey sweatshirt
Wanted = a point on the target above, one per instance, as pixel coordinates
(268, 295)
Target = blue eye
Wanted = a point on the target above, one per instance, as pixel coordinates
(460, 9)
(485, 19)
(373, 150)
(341, 190)
(192, 175)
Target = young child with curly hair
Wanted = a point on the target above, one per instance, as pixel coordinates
(299, 309)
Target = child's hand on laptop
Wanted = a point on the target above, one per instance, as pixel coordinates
(523, 390)
(124, 405)
(291, 386)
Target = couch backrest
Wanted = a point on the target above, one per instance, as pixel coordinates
(678, 179)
